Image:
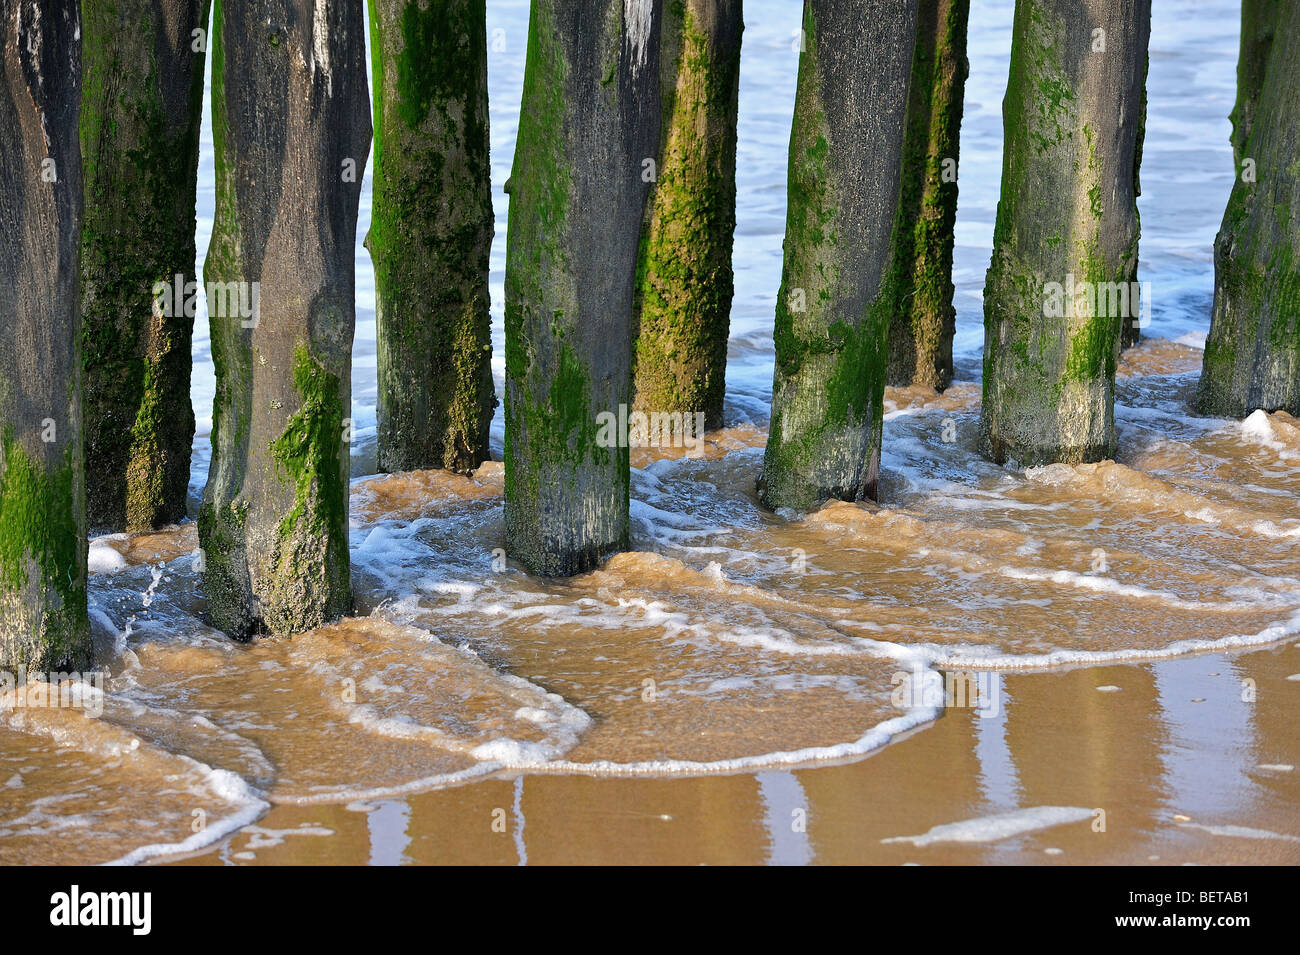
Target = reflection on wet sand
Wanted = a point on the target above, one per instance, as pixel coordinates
(962, 768)
(1080, 742)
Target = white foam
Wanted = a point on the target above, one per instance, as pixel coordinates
(788, 645)
(261, 838)
(359, 794)
(459, 588)
(989, 658)
(1162, 414)
(513, 752)
(998, 827)
(1241, 832)
(249, 807)
(656, 517)
(532, 715)
(103, 557)
(1257, 427)
(564, 727)
(1108, 585)
(1271, 529)
(872, 739)
(380, 540)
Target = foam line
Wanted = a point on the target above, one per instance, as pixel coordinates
(998, 827)
(229, 787)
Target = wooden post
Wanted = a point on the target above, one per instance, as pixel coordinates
(1066, 238)
(1252, 354)
(835, 303)
(924, 320)
(684, 280)
(430, 233)
(141, 108)
(588, 124)
(43, 623)
(291, 124)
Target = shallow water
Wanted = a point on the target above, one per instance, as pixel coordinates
(732, 642)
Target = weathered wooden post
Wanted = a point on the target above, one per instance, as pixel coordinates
(291, 123)
(1259, 20)
(588, 123)
(833, 311)
(685, 280)
(1252, 354)
(924, 320)
(140, 116)
(1130, 332)
(43, 622)
(1066, 238)
(430, 233)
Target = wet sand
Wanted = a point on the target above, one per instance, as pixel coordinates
(1175, 757)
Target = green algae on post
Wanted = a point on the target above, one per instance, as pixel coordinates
(684, 277)
(273, 525)
(430, 233)
(924, 320)
(141, 109)
(1252, 354)
(43, 622)
(1066, 236)
(1259, 21)
(833, 310)
(571, 251)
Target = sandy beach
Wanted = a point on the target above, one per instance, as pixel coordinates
(1186, 771)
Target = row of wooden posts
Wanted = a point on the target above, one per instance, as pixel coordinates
(618, 273)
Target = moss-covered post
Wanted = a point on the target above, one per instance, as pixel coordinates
(1258, 25)
(588, 123)
(834, 307)
(924, 320)
(43, 622)
(684, 278)
(142, 101)
(1252, 354)
(430, 233)
(291, 126)
(1066, 237)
